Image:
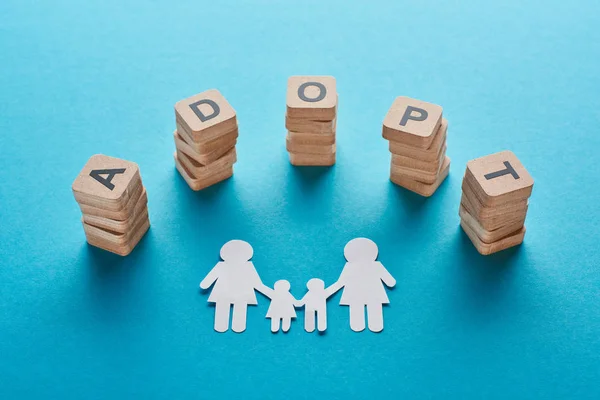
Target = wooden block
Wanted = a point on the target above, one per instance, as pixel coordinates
(209, 146)
(412, 122)
(119, 226)
(200, 171)
(106, 182)
(422, 188)
(206, 158)
(499, 178)
(199, 184)
(481, 212)
(321, 139)
(205, 116)
(310, 126)
(131, 193)
(312, 160)
(426, 177)
(121, 250)
(492, 221)
(116, 238)
(429, 154)
(426, 166)
(489, 236)
(312, 97)
(293, 147)
(490, 248)
(120, 215)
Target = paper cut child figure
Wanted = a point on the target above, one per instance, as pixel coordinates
(235, 279)
(362, 279)
(315, 305)
(281, 311)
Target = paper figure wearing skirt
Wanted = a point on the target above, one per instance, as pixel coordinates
(235, 279)
(282, 309)
(362, 279)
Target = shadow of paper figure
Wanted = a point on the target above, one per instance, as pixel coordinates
(362, 279)
(235, 279)
(282, 308)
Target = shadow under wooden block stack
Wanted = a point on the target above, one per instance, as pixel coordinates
(113, 202)
(205, 139)
(416, 132)
(494, 203)
(310, 120)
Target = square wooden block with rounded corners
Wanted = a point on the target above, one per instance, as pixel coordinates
(499, 178)
(413, 122)
(206, 115)
(196, 183)
(430, 153)
(312, 97)
(106, 179)
(423, 189)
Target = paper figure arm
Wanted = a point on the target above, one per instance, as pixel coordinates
(264, 289)
(385, 276)
(299, 303)
(212, 276)
(333, 288)
(341, 282)
(255, 280)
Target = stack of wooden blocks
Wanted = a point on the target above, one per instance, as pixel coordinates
(310, 120)
(416, 132)
(205, 139)
(113, 202)
(494, 203)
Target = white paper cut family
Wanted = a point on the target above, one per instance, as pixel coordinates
(235, 281)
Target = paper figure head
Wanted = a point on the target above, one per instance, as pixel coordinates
(315, 284)
(236, 250)
(282, 285)
(360, 249)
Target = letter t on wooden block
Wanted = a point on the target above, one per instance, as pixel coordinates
(494, 205)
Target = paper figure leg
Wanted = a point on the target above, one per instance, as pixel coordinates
(275, 324)
(286, 323)
(309, 320)
(238, 321)
(322, 321)
(222, 316)
(357, 318)
(375, 317)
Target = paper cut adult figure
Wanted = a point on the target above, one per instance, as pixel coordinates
(315, 305)
(362, 279)
(235, 280)
(281, 311)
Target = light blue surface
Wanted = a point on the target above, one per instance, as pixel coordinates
(85, 77)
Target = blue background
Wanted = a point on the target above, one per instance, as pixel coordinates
(85, 77)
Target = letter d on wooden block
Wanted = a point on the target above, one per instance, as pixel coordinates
(205, 116)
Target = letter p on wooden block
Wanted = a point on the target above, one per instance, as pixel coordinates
(412, 122)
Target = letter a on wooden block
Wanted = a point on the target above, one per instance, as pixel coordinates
(106, 180)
